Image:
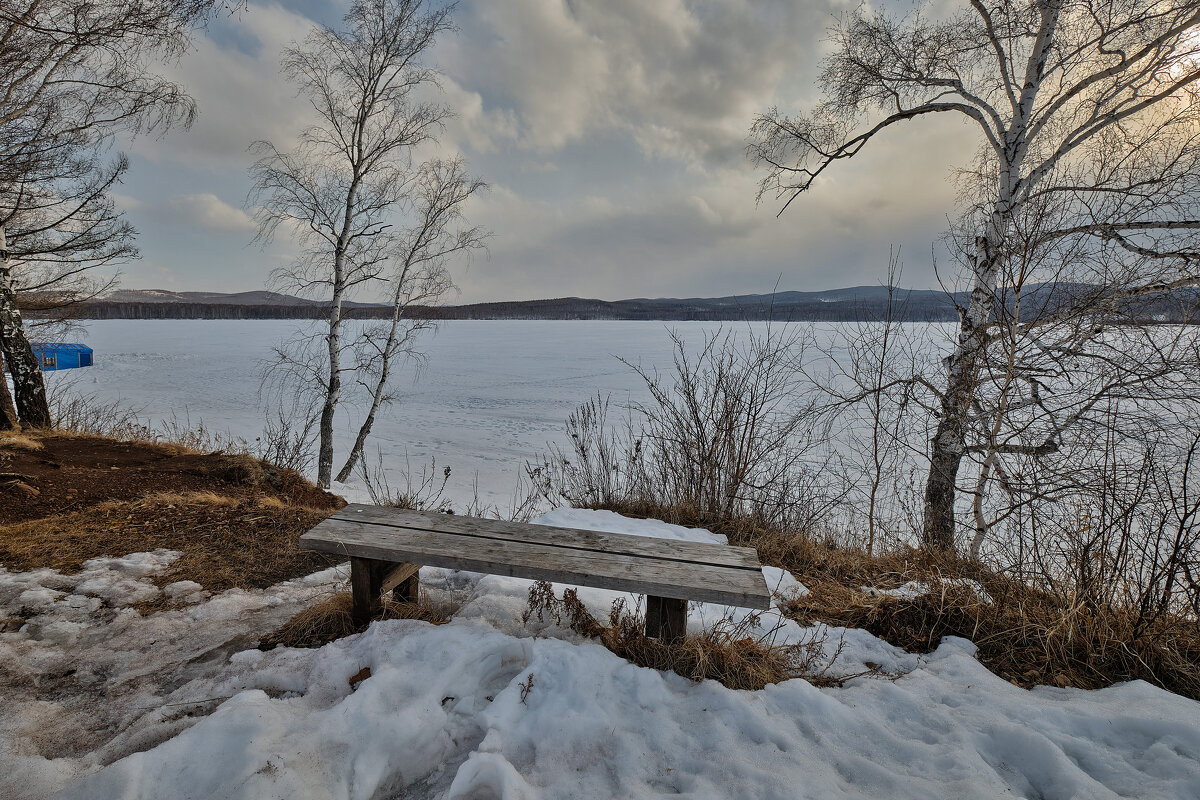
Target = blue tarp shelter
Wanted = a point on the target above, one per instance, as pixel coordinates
(61, 355)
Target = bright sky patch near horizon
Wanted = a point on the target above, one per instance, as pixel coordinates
(612, 134)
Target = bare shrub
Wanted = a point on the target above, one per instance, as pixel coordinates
(287, 439)
(1121, 535)
(727, 434)
(426, 491)
(423, 491)
(77, 412)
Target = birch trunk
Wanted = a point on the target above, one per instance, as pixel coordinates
(949, 443)
(8, 412)
(332, 393)
(364, 430)
(950, 440)
(334, 340)
(32, 408)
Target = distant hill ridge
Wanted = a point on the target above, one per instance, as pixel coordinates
(833, 304)
(847, 304)
(255, 298)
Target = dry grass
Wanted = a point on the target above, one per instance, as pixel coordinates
(1025, 635)
(14, 440)
(235, 519)
(169, 501)
(334, 619)
(226, 542)
(732, 652)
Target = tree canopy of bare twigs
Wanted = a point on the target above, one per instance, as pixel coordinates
(1081, 204)
(72, 75)
(351, 194)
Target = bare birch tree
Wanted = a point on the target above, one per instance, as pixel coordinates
(72, 75)
(343, 192)
(419, 276)
(1087, 116)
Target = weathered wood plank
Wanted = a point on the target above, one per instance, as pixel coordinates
(620, 572)
(627, 544)
(398, 575)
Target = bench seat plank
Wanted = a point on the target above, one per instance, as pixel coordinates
(601, 568)
(624, 543)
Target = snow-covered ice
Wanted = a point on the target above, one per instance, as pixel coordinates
(492, 394)
(486, 707)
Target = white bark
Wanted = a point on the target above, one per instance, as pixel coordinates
(30, 393)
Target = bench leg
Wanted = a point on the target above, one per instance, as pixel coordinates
(370, 578)
(366, 584)
(666, 618)
(407, 590)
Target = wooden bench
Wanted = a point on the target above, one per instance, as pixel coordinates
(387, 546)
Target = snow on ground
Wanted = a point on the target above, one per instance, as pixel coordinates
(914, 589)
(486, 707)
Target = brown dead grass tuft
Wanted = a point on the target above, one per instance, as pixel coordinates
(171, 500)
(1025, 635)
(334, 619)
(226, 542)
(733, 652)
(14, 440)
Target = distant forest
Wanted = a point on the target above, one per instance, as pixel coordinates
(561, 309)
(861, 303)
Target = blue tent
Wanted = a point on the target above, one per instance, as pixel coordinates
(60, 355)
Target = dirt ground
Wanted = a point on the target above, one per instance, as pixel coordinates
(65, 498)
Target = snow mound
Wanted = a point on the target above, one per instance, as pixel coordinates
(464, 711)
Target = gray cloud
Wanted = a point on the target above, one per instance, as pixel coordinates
(681, 79)
(612, 133)
(207, 212)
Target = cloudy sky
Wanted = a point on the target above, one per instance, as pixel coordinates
(612, 135)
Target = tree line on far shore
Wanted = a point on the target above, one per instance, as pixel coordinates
(1168, 308)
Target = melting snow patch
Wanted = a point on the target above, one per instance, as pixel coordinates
(914, 589)
(908, 591)
(783, 584)
(610, 522)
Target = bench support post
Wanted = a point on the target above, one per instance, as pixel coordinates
(370, 578)
(666, 618)
(407, 586)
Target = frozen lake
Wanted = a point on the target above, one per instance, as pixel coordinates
(492, 395)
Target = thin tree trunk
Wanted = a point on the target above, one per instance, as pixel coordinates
(333, 390)
(31, 404)
(364, 430)
(981, 526)
(8, 412)
(949, 443)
